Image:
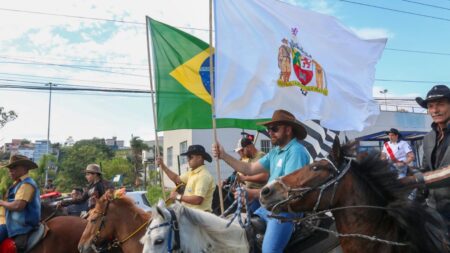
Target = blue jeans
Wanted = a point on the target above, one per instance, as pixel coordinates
(3, 233)
(277, 233)
(253, 205)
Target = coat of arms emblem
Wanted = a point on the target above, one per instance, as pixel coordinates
(310, 74)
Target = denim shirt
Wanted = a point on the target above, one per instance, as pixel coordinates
(22, 222)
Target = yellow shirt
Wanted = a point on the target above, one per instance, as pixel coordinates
(25, 192)
(199, 182)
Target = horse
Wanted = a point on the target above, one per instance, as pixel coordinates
(62, 237)
(49, 211)
(370, 206)
(114, 222)
(198, 230)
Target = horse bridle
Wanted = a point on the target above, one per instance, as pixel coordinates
(111, 243)
(300, 192)
(175, 229)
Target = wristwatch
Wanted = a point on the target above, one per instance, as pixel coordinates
(178, 197)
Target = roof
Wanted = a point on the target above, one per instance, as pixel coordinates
(382, 136)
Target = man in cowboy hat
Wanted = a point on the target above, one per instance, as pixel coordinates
(398, 152)
(200, 185)
(289, 155)
(97, 186)
(436, 154)
(22, 204)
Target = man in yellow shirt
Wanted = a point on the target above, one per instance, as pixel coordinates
(22, 206)
(199, 182)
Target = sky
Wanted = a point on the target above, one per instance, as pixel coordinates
(85, 43)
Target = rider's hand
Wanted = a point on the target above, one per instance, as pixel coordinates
(173, 195)
(217, 150)
(59, 205)
(159, 161)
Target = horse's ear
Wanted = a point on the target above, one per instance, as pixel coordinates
(109, 194)
(336, 150)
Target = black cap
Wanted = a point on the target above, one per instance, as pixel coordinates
(197, 150)
(394, 131)
(437, 92)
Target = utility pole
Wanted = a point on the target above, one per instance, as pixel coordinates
(48, 129)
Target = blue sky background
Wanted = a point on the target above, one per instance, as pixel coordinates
(36, 49)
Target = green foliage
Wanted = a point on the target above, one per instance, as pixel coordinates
(6, 116)
(118, 165)
(5, 181)
(154, 194)
(38, 174)
(73, 161)
(137, 146)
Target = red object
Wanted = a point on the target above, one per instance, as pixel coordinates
(391, 154)
(8, 246)
(50, 195)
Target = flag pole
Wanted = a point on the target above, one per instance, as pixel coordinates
(152, 91)
(213, 110)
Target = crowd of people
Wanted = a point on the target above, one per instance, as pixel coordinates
(253, 169)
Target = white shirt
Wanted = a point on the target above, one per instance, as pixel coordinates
(400, 149)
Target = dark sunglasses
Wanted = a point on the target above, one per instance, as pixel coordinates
(274, 129)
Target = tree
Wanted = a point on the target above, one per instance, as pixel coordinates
(73, 161)
(45, 162)
(137, 146)
(118, 165)
(6, 116)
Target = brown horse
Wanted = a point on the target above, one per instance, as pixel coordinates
(370, 206)
(114, 222)
(63, 235)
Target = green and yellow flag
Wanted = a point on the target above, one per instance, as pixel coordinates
(183, 91)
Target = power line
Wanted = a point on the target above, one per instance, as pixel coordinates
(89, 18)
(429, 5)
(47, 78)
(409, 81)
(395, 10)
(417, 51)
(73, 89)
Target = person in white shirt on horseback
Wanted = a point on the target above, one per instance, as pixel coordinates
(398, 152)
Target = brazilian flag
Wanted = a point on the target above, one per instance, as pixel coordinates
(183, 90)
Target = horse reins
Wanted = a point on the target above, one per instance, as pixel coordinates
(116, 242)
(175, 229)
(300, 192)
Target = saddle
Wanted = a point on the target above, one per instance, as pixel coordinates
(33, 238)
(304, 237)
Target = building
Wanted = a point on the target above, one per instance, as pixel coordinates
(114, 144)
(41, 148)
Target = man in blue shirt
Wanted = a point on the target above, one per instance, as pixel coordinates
(288, 156)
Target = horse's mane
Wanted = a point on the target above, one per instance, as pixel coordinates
(129, 204)
(213, 230)
(416, 224)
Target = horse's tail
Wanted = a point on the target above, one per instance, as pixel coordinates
(422, 227)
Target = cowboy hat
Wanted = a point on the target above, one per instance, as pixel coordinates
(16, 160)
(285, 117)
(93, 168)
(197, 150)
(437, 92)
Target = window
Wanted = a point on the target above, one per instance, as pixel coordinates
(169, 156)
(266, 146)
(183, 148)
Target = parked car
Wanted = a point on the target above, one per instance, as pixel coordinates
(140, 199)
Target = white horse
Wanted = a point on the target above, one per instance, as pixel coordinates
(198, 231)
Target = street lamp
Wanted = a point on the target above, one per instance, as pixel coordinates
(385, 91)
(48, 127)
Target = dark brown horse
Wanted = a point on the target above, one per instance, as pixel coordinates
(114, 222)
(370, 206)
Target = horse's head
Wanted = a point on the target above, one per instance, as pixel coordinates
(311, 187)
(104, 221)
(162, 234)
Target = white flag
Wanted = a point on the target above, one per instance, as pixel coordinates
(271, 55)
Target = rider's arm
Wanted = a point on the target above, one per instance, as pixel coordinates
(172, 175)
(23, 195)
(260, 178)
